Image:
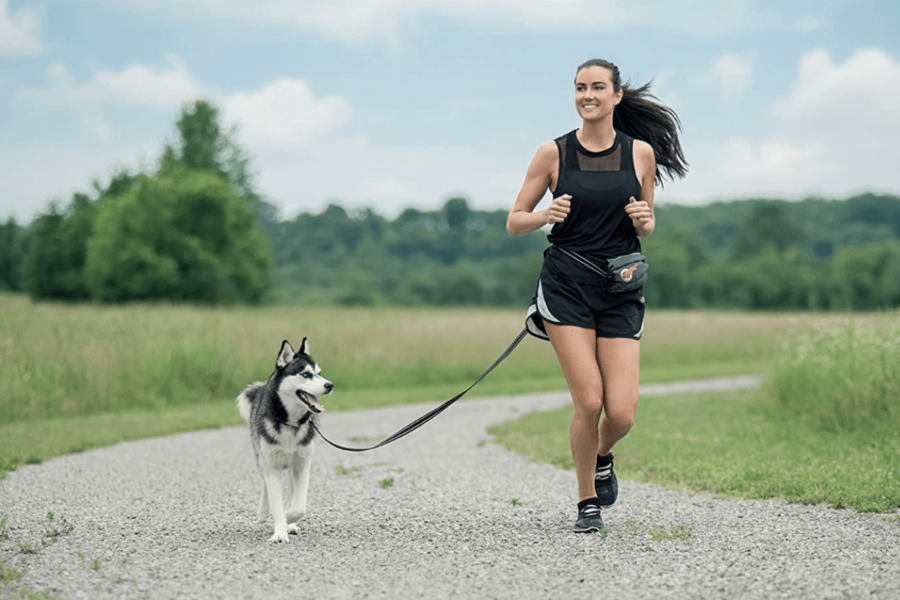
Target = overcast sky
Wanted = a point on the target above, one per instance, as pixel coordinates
(396, 103)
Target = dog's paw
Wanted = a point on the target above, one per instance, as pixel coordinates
(293, 529)
(281, 535)
(295, 515)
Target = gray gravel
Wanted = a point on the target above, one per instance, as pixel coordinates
(175, 518)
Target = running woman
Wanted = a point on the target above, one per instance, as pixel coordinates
(602, 178)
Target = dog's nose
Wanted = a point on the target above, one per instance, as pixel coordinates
(329, 387)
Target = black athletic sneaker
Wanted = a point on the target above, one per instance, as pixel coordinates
(605, 483)
(588, 517)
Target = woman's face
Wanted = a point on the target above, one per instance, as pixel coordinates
(595, 95)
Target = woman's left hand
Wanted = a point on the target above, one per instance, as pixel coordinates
(640, 213)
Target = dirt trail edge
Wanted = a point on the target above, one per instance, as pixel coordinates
(441, 513)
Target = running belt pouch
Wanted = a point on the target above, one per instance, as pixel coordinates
(626, 273)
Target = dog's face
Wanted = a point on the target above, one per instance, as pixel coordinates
(301, 377)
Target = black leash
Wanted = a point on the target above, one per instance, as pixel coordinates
(434, 412)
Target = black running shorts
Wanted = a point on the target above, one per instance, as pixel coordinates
(569, 294)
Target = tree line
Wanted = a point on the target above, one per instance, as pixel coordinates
(195, 230)
(752, 254)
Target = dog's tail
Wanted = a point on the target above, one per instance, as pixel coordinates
(245, 400)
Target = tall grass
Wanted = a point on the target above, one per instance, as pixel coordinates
(824, 429)
(66, 360)
(730, 444)
(61, 360)
(842, 377)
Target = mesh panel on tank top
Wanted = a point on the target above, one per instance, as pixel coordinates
(608, 162)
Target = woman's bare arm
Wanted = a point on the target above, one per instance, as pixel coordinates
(540, 176)
(641, 211)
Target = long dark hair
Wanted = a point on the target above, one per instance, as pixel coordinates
(642, 116)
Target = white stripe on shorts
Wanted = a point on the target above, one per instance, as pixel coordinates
(542, 305)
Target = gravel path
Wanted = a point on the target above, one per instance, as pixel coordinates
(175, 518)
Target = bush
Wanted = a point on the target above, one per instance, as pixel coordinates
(866, 277)
(185, 236)
(57, 248)
(843, 377)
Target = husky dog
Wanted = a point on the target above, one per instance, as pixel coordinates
(280, 412)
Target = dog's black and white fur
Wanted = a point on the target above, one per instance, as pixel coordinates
(280, 412)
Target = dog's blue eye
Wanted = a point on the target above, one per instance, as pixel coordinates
(307, 376)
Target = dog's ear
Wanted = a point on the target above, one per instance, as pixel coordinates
(304, 347)
(286, 354)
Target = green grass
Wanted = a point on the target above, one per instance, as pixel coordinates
(824, 429)
(80, 376)
(73, 360)
(60, 360)
(657, 533)
(733, 444)
(342, 470)
(842, 377)
(29, 442)
(8, 576)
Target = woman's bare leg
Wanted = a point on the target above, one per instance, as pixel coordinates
(619, 360)
(576, 349)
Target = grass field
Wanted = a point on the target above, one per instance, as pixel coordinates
(823, 429)
(729, 444)
(60, 360)
(65, 369)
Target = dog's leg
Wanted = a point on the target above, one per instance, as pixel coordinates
(291, 485)
(276, 504)
(263, 514)
(300, 475)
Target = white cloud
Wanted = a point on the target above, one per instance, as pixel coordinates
(835, 134)
(84, 105)
(19, 31)
(142, 85)
(733, 73)
(283, 125)
(284, 114)
(364, 19)
(136, 85)
(853, 101)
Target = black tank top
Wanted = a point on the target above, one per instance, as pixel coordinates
(600, 184)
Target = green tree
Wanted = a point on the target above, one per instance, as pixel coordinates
(203, 145)
(57, 242)
(11, 242)
(769, 225)
(456, 212)
(866, 277)
(182, 236)
(677, 260)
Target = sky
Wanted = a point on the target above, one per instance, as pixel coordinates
(390, 104)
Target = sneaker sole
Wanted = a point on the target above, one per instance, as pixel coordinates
(591, 529)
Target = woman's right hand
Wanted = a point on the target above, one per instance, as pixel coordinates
(559, 209)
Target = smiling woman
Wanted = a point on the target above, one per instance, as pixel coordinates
(602, 178)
